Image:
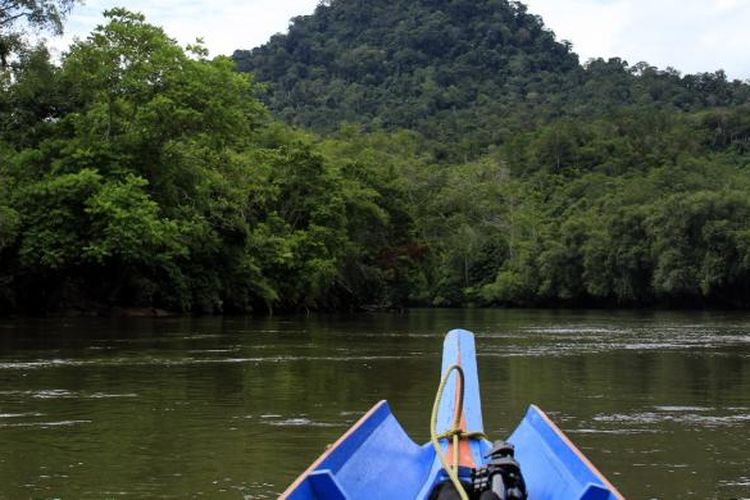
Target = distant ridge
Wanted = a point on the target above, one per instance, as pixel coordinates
(457, 71)
(412, 64)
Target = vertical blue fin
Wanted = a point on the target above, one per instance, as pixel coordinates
(552, 465)
(458, 348)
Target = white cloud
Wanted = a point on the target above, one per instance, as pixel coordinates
(225, 25)
(726, 4)
(593, 26)
(690, 35)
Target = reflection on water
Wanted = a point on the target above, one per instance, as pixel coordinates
(237, 407)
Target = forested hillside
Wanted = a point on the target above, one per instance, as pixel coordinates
(445, 153)
(466, 74)
(536, 180)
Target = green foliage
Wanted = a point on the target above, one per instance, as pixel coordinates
(467, 159)
(663, 226)
(383, 253)
(465, 74)
(448, 69)
(125, 224)
(143, 174)
(52, 209)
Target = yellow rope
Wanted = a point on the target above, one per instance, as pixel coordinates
(455, 432)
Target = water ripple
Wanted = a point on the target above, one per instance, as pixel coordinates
(689, 418)
(21, 415)
(300, 421)
(65, 394)
(131, 361)
(61, 423)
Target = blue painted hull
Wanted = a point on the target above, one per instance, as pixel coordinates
(376, 459)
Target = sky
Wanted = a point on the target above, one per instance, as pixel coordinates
(688, 35)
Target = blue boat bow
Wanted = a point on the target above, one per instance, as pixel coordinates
(376, 459)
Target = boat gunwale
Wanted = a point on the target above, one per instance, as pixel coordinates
(579, 453)
(331, 448)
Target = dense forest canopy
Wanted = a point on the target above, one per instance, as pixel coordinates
(448, 152)
(466, 74)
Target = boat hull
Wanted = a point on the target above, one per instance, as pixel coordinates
(376, 459)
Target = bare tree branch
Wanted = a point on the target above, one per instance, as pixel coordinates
(18, 15)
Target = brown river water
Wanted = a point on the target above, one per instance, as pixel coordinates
(237, 407)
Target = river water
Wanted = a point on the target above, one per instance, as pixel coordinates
(237, 407)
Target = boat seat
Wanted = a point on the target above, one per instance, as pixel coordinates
(595, 492)
(324, 485)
